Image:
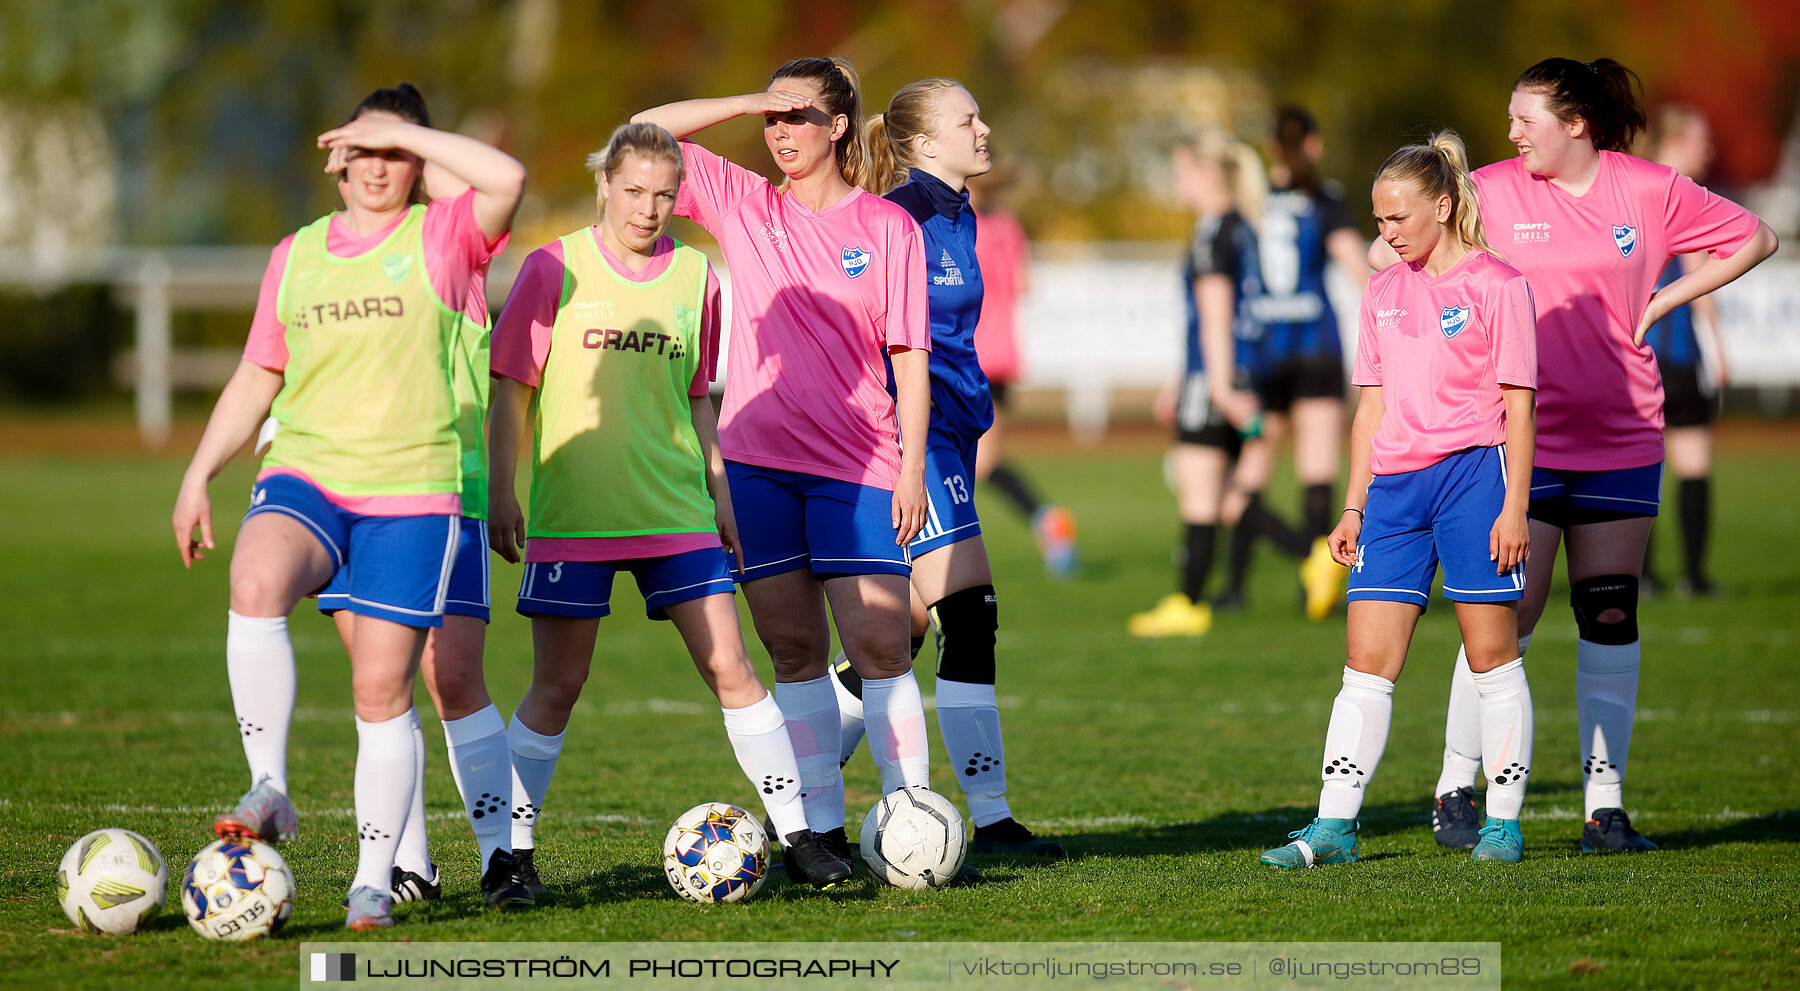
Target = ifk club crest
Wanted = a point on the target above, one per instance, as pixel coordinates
(1625, 236)
(854, 260)
(1453, 320)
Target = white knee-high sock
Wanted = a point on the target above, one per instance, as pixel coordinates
(482, 757)
(384, 788)
(1606, 683)
(1462, 730)
(968, 716)
(259, 661)
(1354, 742)
(759, 738)
(1462, 726)
(414, 853)
(896, 721)
(1506, 730)
(811, 711)
(533, 764)
(850, 715)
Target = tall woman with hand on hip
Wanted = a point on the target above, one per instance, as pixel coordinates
(1592, 227)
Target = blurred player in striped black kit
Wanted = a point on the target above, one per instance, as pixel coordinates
(1300, 366)
(1212, 409)
(1692, 366)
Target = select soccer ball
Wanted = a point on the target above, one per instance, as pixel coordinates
(236, 891)
(112, 881)
(914, 838)
(716, 853)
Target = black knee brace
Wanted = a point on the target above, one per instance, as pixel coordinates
(966, 622)
(1593, 596)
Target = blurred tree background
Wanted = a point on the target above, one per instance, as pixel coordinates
(155, 122)
(209, 108)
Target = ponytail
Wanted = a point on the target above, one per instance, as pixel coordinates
(1441, 168)
(1241, 167)
(1602, 93)
(840, 92)
(889, 137)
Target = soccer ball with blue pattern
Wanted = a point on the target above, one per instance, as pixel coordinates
(914, 838)
(236, 891)
(112, 881)
(716, 853)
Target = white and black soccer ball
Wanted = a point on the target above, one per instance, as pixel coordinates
(236, 891)
(716, 852)
(914, 838)
(112, 881)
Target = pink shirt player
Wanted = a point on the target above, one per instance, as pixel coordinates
(1440, 349)
(521, 346)
(1593, 261)
(818, 299)
(1003, 253)
(456, 260)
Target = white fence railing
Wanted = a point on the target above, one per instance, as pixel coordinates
(1110, 318)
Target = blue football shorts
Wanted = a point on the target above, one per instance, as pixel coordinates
(1416, 520)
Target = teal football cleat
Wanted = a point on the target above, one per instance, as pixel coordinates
(1500, 840)
(1320, 842)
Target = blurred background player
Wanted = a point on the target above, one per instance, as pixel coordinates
(1300, 366)
(1440, 472)
(922, 152)
(828, 290)
(338, 490)
(1004, 254)
(1212, 409)
(1692, 366)
(615, 328)
(1592, 228)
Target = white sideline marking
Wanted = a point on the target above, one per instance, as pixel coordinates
(346, 813)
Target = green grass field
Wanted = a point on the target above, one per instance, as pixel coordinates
(1164, 767)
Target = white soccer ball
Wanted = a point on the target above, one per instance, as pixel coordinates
(236, 891)
(112, 881)
(914, 838)
(716, 852)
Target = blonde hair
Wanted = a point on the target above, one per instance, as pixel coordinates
(1441, 168)
(912, 112)
(1671, 122)
(840, 92)
(646, 140)
(1245, 177)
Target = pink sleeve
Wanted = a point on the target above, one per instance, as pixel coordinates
(907, 322)
(709, 338)
(455, 247)
(1513, 318)
(267, 344)
(713, 186)
(1698, 219)
(1368, 353)
(521, 342)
